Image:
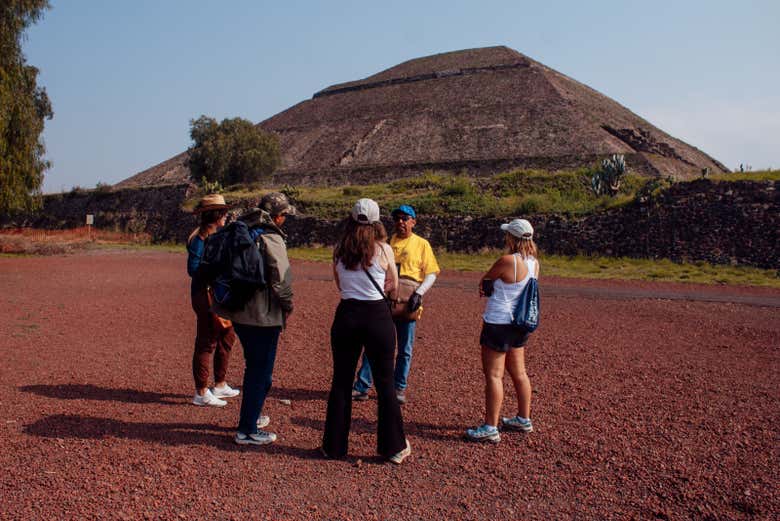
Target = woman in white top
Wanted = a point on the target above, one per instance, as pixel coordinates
(364, 268)
(502, 343)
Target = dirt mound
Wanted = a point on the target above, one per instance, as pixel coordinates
(643, 408)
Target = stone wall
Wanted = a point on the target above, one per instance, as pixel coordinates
(156, 211)
(724, 223)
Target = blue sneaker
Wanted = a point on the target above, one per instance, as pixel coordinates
(484, 432)
(517, 423)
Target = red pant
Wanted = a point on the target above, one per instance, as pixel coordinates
(211, 336)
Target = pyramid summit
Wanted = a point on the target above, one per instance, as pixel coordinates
(486, 110)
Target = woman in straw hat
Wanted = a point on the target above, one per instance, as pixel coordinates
(503, 343)
(214, 335)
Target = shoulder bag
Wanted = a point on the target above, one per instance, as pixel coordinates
(526, 315)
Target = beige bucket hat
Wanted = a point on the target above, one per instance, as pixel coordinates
(211, 202)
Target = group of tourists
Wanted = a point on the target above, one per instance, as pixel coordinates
(381, 284)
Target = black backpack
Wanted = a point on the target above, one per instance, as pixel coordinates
(233, 265)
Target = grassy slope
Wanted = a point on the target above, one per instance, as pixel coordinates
(597, 268)
(520, 192)
(434, 193)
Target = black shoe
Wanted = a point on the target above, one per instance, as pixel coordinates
(359, 397)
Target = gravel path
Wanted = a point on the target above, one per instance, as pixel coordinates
(651, 401)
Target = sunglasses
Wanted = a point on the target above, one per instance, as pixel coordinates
(401, 217)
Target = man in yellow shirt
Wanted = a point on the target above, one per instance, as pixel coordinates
(415, 260)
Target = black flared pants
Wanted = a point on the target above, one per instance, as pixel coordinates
(359, 325)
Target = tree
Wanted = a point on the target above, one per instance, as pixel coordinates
(232, 152)
(23, 108)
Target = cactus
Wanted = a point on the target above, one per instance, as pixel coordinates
(607, 180)
(208, 187)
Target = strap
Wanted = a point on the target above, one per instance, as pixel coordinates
(514, 259)
(376, 285)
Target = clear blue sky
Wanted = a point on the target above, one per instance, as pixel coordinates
(125, 77)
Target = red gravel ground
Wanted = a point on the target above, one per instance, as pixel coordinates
(644, 407)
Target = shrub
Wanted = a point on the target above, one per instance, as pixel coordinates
(102, 188)
(459, 186)
(293, 193)
(530, 205)
(429, 180)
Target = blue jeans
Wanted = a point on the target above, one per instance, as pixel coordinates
(404, 332)
(260, 354)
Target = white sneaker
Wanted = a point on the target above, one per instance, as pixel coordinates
(225, 392)
(484, 432)
(263, 421)
(208, 399)
(399, 457)
(260, 438)
(518, 423)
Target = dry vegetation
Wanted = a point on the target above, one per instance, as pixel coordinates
(29, 241)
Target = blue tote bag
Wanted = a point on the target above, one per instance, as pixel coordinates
(527, 310)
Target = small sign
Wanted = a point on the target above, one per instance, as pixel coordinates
(90, 219)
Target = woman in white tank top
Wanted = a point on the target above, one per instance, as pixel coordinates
(502, 343)
(364, 269)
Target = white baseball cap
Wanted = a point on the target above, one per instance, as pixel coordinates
(520, 228)
(365, 211)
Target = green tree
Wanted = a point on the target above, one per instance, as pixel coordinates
(232, 152)
(23, 108)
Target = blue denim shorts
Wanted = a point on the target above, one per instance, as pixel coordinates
(502, 337)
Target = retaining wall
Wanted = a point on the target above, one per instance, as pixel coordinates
(724, 223)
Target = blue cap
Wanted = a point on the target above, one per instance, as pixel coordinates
(405, 208)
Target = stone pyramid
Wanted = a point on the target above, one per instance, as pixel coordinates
(484, 111)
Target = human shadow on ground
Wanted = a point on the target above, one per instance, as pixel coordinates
(417, 429)
(68, 426)
(94, 392)
(281, 393)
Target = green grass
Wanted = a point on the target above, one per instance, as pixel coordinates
(321, 254)
(760, 175)
(520, 192)
(597, 268)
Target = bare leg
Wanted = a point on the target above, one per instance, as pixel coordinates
(515, 364)
(493, 367)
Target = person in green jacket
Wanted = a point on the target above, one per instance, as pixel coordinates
(260, 322)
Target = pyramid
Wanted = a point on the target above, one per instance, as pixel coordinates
(484, 111)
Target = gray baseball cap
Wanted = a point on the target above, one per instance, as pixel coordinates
(520, 228)
(276, 203)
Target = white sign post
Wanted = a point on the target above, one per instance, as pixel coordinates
(90, 222)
